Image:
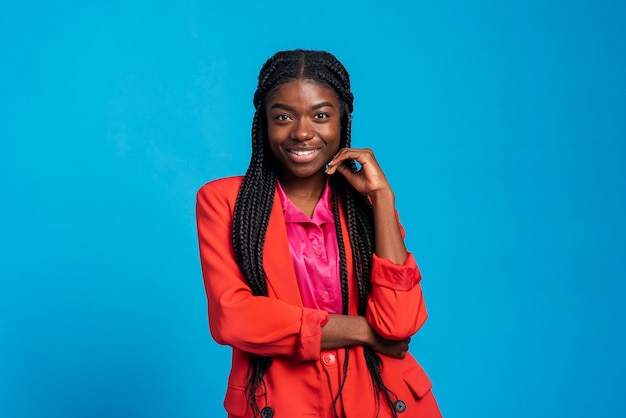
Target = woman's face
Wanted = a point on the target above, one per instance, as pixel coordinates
(303, 128)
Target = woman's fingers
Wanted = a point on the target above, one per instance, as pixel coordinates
(369, 178)
(363, 156)
(395, 349)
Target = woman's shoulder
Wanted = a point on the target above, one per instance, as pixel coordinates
(224, 184)
(227, 187)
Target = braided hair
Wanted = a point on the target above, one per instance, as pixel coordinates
(256, 197)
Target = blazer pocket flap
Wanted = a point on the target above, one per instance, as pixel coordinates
(235, 401)
(417, 380)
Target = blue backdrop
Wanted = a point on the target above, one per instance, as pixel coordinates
(501, 126)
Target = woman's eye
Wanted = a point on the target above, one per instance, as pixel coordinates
(321, 116)
(282, 117)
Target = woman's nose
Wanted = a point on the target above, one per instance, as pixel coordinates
(302, 131)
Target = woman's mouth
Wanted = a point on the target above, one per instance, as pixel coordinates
(303, 156)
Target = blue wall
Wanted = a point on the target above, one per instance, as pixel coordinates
(499, 124)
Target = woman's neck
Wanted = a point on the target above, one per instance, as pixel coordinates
(304, 193)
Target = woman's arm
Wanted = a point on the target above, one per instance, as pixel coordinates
(389, 239)
(256, 324)
(395, 307)
(348, 330)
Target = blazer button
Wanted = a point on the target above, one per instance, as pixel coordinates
(329, 359)
(267, 412)
(399, 406)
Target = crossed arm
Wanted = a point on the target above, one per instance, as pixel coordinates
(271, 327)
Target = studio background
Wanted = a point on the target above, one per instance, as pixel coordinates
(500, 126)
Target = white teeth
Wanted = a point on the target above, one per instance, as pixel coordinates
(302, 153)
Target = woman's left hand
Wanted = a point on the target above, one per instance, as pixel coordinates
(369, 180)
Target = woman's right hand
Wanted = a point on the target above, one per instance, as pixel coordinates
(350, 330)
(391, 348)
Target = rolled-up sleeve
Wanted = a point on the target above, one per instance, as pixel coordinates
(395, 307)
(310, 343)
(395, 276)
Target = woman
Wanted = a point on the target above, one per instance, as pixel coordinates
(304, 264)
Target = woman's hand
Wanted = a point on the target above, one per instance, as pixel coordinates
(369, 180)
(350, 330)
(395, 349)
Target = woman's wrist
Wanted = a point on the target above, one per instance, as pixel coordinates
(384, 195)
(346, 331)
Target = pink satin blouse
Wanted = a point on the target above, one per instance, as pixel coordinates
(314, 252)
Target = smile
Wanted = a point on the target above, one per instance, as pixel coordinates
(303, 153)
(303, 156)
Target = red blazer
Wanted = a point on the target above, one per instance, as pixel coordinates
(303, 380)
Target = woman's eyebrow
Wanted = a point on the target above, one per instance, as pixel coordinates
(323, 104)
(281, 106)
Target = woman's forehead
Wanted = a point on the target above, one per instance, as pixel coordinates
(310, 86)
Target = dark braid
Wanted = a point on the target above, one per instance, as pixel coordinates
(252, 213)
(256, 196)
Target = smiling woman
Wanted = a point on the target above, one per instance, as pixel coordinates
(328, 333)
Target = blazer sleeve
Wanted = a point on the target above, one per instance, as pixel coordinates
(395, 306)
(255, 324)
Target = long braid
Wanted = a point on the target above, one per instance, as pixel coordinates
(343, 273)
(256, 195)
